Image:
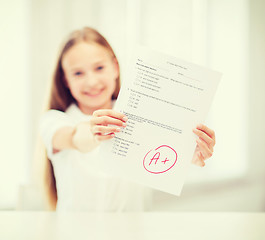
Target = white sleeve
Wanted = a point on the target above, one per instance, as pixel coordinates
(50, 122)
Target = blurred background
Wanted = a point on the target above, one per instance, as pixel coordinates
(224, 35)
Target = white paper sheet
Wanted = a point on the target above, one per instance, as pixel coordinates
(164, 98)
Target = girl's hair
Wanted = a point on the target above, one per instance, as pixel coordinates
(60, 96)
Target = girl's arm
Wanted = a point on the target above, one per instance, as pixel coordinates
(87, 135)
(62, 139)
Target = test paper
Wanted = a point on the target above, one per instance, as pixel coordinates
(164, 98)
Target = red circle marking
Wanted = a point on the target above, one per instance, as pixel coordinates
(156, 150)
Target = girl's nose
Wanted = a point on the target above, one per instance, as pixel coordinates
(91, 80)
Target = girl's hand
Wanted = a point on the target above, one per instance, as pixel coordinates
(100, 121)
(205, 144)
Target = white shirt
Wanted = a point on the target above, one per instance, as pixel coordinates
(80, 184)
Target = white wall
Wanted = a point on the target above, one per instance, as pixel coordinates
(14, 99)
(256, 87)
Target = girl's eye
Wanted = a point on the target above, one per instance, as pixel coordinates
(99, 68)
(78, 73)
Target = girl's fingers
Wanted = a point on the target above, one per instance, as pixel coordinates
(206, 138)
(200, 160)
(207, 130)
(106, 120)
(100, 121)
(110, 113)
(204, 149)
(103, 130)
(104, 137)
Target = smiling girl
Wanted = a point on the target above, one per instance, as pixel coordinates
(85, 86)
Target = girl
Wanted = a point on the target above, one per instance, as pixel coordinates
(85, 86)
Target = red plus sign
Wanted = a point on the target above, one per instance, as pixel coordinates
(166, 160)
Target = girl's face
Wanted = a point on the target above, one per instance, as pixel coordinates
(90, 73)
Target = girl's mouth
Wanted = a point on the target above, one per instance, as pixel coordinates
(94, 93)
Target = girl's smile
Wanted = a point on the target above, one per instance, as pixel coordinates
(94, 93)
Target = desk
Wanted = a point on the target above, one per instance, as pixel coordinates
(126, 226)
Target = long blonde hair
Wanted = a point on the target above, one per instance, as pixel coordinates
(60, 97)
